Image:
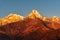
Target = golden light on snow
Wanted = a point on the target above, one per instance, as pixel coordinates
(55, 18)
(33, 15)
(11, 18)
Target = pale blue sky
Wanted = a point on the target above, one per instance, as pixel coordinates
(47, 8)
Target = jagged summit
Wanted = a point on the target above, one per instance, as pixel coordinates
(35, 14)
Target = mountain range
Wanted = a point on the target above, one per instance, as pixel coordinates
(32, 27)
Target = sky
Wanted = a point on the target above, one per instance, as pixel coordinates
(48, 8)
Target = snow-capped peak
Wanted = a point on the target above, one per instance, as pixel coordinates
(35, 14)
(11, 18)
(55, 18)
(16, 16)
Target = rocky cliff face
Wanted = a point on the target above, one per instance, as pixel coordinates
(33, 27)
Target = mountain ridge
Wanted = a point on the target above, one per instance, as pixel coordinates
(33, 27)
(33, 15)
